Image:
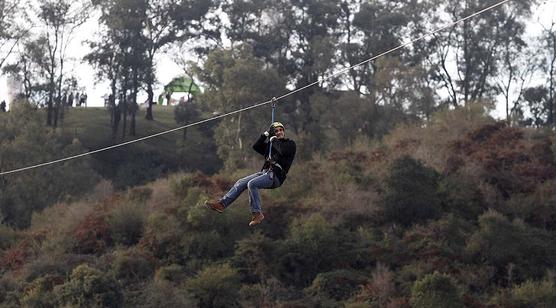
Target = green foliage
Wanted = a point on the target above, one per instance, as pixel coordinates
(412, 194)
(338, 285)
(252, 257)
(504, 243)
(7, 237)
(215, 286)
(162, 238)
(238, 79)
(531, 293)
(39, 293)
(163, 294)
(25, 141)
(312, 246)
(173, 273)
(132, 266)
(435, 290)
(126, 223)
(88, 286)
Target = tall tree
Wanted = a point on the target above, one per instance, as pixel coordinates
(474, 47)
(10, 32)
(549, 40)
(58, 19)
(165, 22)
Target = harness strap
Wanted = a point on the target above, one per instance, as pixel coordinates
(270, 142)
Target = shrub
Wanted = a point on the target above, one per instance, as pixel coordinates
(337, 285)
(164, 294)
(7, 237)
(500, 242)
(173, 273)
(540, 294)
(252, 257)
(132, 266)
(127, 223)
(435, 290)
(215, 286)
(88, 286)
(312, 246)
(412, 193)
(162, 238)
(92, 235)
(39, 293)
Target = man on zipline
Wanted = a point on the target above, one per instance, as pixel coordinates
(272, 175)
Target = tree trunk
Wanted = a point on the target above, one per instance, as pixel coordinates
(133, 106)
(150, 97)
(124, 113)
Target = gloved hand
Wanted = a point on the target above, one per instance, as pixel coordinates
(269, 132)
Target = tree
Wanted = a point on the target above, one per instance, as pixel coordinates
(10, 32)
(538, 102)
(475, 45)
(234, 80)
(59, 20)
(549, 40)
(165, 22)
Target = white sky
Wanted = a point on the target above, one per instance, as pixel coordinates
(167, 69)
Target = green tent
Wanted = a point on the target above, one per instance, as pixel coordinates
(179, 84)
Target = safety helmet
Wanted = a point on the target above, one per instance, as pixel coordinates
(277, 124)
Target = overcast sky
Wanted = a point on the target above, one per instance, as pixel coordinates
(167, 69)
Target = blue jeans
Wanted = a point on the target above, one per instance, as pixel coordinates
(262, 179)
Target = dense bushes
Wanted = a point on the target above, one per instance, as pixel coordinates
(366, 226)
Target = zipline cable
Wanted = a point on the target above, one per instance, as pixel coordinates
(259, 104)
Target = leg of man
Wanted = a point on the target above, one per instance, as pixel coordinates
(237, 189)
(264, 180)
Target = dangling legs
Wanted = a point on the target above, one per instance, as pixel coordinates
(237, 189)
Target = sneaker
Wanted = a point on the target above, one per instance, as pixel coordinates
(257, 218)
(215, 205)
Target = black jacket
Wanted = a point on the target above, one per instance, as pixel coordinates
(283, 153)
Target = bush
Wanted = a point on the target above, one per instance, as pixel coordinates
(127, 223)
(312, 246)
(215, 286)
(162, 238)
(412, 193)
(39, 293)
(163, 294)
(7, 237)
(132, 266)
(500, 242)
(541, 294)
(88, 286)
(435, 290)
(337, 285)
(173, 273)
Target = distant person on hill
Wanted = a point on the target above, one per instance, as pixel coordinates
(3, 106)
(70, 99)
(272, 175)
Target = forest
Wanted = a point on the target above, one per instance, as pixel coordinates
(406, 190)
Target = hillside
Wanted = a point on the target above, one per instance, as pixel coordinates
(92, 127)
(458, 212)
(166, 153)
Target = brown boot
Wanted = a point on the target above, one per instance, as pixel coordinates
(215, 205)
(257, 218)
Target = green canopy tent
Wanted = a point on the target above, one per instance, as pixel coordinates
(179, 84)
